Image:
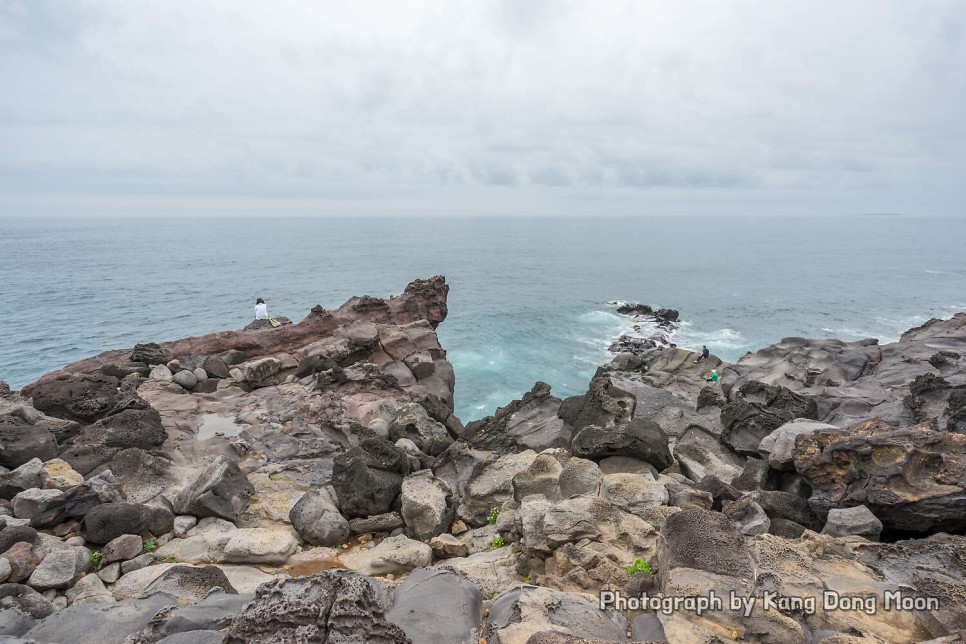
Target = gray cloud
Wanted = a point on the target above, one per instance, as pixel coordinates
(482, 107)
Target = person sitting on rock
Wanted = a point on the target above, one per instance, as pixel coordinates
(261, 309)
(704, 353)
(714, 376)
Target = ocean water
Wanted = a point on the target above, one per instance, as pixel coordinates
(528, 296)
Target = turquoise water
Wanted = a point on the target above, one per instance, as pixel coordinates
(528, 296)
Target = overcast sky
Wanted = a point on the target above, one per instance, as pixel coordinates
(516, 106)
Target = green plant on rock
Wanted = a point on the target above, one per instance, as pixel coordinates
(492, 516)
(526, 579)
(498, 542)
(150, 545)
(639, 566)
(96, 557)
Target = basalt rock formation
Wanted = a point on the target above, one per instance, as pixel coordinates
(309, 482)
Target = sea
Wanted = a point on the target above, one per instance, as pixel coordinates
(530, 298)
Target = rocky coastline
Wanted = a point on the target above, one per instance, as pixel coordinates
(311, 483)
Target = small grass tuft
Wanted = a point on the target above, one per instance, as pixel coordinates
(639, 566)
(497, 543)
(150, 545)
(96, 557)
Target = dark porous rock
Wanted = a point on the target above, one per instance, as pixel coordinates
(96, 444)
(757, 475)
(758, 410)
(330, 606)
(703, 540)
(785, 528)
(208, 386)
(15, 534)
(720, 491)
(108, 521)
(141, 474)
(91, 623)
(784, 505)
(604, 405)
(121, 370)
(710, 396)
(215, 367)
(379, 523)
(533, 422)
(934, 400)
(437, 606)
(21, 442)
(317, 519)
(263, 325)
(911, 478)
(311, 365)
(76, 397)
(190, 583)
(642, 439)
(413, 422)
(26, 600)
(221, 490)
(635, 309)
(367, 478)
(150, 353)
(532, 607)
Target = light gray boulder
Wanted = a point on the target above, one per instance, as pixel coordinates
(541, 477)
(492, 486)
(27, 503)
(56, 570)
(394, 555)
(545, 526)
(749, 517)
(317, 519)
(122, 548)
(221, 490)
(89, 589)
(260, 545)
(858, 521)
(437, 606)
(778, 447)
(427, 504)
(633, 493)
(700, 453)
(186, 379)
(580, 477)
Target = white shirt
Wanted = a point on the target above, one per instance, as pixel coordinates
(261, 311)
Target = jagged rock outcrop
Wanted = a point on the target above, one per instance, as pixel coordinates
(855, 381)
(529, 423)
(911, 478)
(331, 443)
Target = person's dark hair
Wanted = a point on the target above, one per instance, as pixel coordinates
(259, 301)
